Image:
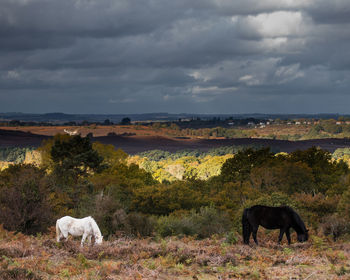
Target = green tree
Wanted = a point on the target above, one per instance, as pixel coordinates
(286, 176)
(125, 121)
(163, 199)
(326, 172)
(75, 157)
(45, 150)
(111, 156)
(238, 168)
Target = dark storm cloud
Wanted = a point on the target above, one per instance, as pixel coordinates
(337, 11)
(109, 56)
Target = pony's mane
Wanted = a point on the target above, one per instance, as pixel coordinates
(299, 222)
(288, 208)
(95, 226)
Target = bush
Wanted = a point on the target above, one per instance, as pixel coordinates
(24, 199)
(334, 225)
(113, 219)
(133, 224)
(209, 221)
(105, 209)
(316, 206)
(173, 225)
(344, 205)
(204, 223)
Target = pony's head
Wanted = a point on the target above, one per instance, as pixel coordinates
(98, 239)
(304, 236)
(97, 233)
(299, 226)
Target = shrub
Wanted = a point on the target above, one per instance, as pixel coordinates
(314, 207)
(133, 224)
(204, 223)
(334, 225)
(344, 205)
(24, 199)
(112, 218)
(209, 221)
(105, 209)
(173, 225)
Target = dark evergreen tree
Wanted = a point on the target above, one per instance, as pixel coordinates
(238, 168)
(75, 157)
(125, 121)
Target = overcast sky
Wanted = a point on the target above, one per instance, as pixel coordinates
(176, 56)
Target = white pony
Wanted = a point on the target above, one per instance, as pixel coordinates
(85, 227)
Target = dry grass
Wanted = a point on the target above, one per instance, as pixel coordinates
(97, 130)
(141, 130)
(23, 257)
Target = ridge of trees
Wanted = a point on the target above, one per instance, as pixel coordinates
(79, 178)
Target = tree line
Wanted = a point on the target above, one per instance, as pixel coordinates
(80, 178)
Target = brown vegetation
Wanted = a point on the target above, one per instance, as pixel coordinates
(171, 258)
(80, 178)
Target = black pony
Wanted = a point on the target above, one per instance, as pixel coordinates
(283, 217)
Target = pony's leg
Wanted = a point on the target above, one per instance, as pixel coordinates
(288, 235)
(255, 230)
(246, 232)
(83, 240)
(89, 239)
(65, 235)
(247, 237)
(282, 230)
(59, 236)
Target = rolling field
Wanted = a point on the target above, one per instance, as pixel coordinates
(133, 140)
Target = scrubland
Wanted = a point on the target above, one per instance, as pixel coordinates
(161, 221)
(217, 257)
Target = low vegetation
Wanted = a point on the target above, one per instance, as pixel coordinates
(40, 257)
(172, 227)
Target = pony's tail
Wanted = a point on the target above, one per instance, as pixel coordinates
(58, 231)
(245, 226)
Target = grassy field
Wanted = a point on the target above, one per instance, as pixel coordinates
(40, 257)
(142, 130)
